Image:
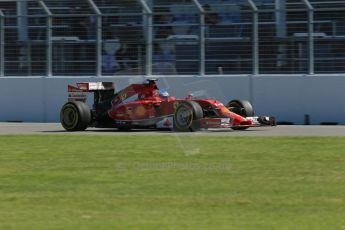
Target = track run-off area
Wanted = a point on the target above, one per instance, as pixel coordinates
(284, 130)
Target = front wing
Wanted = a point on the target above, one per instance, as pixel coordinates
(229, 123)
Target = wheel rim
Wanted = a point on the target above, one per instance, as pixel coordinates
(184, 116)
(69, 117)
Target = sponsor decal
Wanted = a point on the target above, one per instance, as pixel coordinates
(140, 111)
(77, 96)
(165, 123)
(121, 122)
(83, 86)
(123, 96)
(96, 86)
(129, 111)
(225, 120)
(213, 123)
(225, 110)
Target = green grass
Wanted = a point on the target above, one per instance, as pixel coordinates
(171, 182)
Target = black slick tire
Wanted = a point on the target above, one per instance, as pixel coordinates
(75, 116)
(187, 116)
(241, 107)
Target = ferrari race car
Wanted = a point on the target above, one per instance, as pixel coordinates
(145, 106)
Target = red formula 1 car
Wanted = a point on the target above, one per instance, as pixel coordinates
(145, 106)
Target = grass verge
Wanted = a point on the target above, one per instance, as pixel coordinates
(171, 182)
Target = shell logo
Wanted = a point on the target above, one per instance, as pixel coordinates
(140, 111)
(225, 110)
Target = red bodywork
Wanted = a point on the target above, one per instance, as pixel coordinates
(149, 105)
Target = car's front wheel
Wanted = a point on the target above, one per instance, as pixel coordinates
(241, 107)
(75, 116)
(187, 116)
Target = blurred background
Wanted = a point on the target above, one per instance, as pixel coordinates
(166, 37)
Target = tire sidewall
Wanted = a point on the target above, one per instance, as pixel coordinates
(194, 116)
(82, 115)
(64, 113)
(244, 104)
(181, 127)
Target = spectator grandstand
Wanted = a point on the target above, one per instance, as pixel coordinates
(183, 37)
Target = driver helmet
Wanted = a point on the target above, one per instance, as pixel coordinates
(163, 93)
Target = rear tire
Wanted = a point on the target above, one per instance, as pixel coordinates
(75, 116)
(187, 116)
(241, 107)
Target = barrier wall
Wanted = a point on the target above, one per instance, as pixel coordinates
(288, 98)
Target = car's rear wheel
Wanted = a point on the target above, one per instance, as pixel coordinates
(241, 107)
(75, 116)
(187, 116)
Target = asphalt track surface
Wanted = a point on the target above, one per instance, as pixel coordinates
(56, 129)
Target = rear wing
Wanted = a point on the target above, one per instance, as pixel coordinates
(79, 92)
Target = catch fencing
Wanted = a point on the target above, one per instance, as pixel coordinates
(163, 37)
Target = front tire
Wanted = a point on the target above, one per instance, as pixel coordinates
(241, 107)
(187, 116)
(75, 116)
